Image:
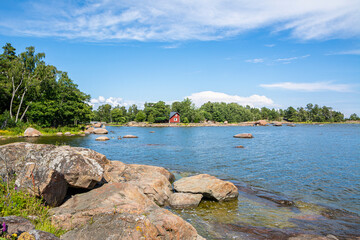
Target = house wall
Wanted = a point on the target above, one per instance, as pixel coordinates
(175, 119)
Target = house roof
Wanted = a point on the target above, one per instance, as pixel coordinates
(173, 113)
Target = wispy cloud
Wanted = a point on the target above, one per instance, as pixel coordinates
(269, 45)
(255, 60)
(347, 52)
(310, 87)
(290, 59)
(254, 100)
(162, 20)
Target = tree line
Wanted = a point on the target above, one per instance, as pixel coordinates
(33, 91)
(214, 111)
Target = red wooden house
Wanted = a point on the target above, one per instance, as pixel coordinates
(174, 117)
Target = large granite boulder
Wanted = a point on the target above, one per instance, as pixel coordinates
(43, 182)
(154, 182)
(97, 125)
(185, 200)
(118, 211)
(32, 132)
(48, 165)
(100, 131)
(243, 135)
(209, 186)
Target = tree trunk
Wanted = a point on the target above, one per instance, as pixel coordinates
(22, 116)
(21, 101)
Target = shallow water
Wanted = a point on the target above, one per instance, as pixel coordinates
(318, 167)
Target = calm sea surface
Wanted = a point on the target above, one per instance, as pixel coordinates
(314, 165)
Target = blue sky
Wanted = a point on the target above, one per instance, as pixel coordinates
(263, 53)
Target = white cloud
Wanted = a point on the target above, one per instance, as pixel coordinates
(113, 20)
(270, 45)
(310, 87)
(255, 60)
(114, 101)
(254, 100)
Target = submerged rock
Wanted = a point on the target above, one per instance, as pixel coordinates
(209, 186)
(240, 146)
(243, 135)
(185, 200)
(119, 211)
(32, 132)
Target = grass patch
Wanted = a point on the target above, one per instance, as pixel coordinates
(48, 131)
(19, 203)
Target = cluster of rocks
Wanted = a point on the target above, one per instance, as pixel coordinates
(121, 201)
(32, 132)
(96, 128)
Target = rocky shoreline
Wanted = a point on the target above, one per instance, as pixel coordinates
(122, 201)
(95, 198)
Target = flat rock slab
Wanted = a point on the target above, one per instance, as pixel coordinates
(16, 224)
(243, 135)
(185, 200)
(130, 136)
(118, 211)
(154, 182)
(209, 186)
(102, 139)
(100, 131)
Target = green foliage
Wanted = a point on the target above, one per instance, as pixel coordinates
(34, 92)
(185, 120)
(354, 117)
(140, 116)
(150, 118)
(19, 203)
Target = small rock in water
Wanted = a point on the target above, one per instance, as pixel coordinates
(243, 135)
(130, 136)
(59, 133)
(151, 131)
(67, 134)
(102, 139)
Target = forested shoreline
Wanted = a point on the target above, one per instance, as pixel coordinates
(35, 93)
(217, 112)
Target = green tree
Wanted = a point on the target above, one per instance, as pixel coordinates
(140, 116)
